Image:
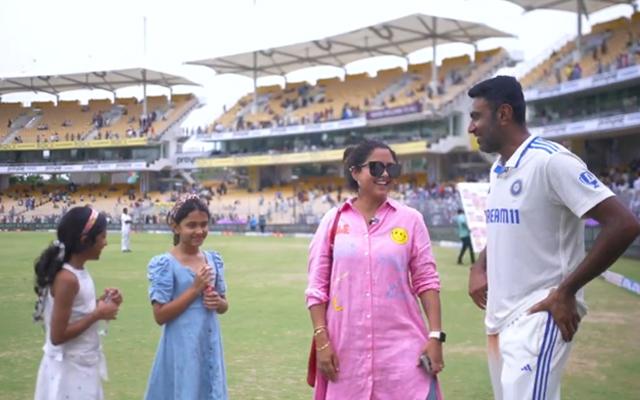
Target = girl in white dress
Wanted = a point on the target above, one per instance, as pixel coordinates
(73, 364)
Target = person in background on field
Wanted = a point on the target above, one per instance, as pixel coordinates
(253, 223)
(465, 237)
(262, 223)
(368, 328)
(73, 364)
(187, 292)
(125, 230)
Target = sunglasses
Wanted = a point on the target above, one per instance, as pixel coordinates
(377, 168)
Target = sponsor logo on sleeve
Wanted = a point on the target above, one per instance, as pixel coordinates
(589, 179)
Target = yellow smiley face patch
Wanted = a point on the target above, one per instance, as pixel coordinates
(399, 235)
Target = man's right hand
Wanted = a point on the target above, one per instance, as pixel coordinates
(478, 285)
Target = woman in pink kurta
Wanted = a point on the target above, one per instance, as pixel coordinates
(367, 321)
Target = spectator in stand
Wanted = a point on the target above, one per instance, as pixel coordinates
(440, 87)
(622, 61)
(346, 111)
(577, 72)
(568, 71)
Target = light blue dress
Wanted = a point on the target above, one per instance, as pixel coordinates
(189, 362)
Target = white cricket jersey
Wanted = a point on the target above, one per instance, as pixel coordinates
(535, 235)
(123, 219)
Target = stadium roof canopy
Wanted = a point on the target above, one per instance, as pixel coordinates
(580, 7)
(397, 37)
(585, 7)
(105, 80)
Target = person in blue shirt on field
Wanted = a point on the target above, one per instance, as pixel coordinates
(253, 223)
(465, 237)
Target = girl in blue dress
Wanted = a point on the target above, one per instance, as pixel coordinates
(187, 292)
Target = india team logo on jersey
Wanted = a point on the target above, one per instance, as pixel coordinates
(516, 187)
(589, 179)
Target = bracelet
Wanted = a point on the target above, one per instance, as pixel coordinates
(319, 329)
(322, 347)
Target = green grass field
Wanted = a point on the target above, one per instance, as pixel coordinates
(267, 330)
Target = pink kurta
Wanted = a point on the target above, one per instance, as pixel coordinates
(373, 316)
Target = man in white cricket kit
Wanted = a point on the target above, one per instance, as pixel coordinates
(530, 276)
(125, 222)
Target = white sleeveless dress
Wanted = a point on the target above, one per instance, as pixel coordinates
(73, 370)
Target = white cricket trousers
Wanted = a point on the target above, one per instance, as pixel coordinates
(124, 243)
(527, 359)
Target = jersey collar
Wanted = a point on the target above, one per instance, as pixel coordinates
(516, 157)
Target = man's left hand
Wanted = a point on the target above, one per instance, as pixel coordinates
(563, 309)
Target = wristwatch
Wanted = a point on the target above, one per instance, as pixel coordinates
(438, 335)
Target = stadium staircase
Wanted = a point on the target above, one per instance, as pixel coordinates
(261, 102)
(393, 89)
(114, 114)
(27, 119)
(10, 137)
(187, 177)
(160, 164)
(173, 130)
(91, 134)
(318, 94)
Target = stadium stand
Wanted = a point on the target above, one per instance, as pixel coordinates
(100, 119)
(334, 99)
(610, 46)
(52, 122)
(35, 203)
(304, 202)
(128, 119)
(12, 113)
